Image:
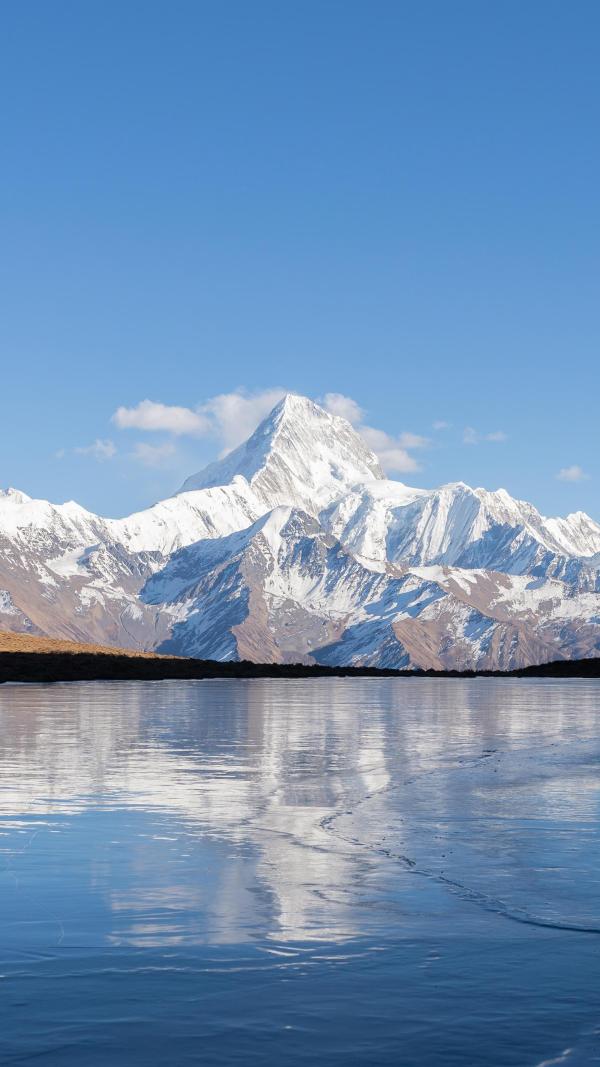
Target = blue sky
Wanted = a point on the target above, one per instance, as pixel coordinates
(395, 202)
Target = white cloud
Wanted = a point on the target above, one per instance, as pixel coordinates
(100, 450)
(397, 461)
(345, 406)
(232, 417)
(154, 455)
(473, 437)
(229, 417)
(393, 452)
(572, 474)
(149, 415)
(439, 424)
(412, 440)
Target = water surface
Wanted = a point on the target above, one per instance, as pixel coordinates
(331, 871)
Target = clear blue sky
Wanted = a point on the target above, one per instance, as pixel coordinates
(394, 201)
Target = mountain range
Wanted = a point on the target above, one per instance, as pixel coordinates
(295, 547)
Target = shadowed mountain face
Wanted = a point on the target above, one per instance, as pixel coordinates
(296, 548)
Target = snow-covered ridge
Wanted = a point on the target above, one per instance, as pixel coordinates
(455, 525)
(295, 545)
(302, 456)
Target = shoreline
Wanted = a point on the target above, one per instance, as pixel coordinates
(48, 667)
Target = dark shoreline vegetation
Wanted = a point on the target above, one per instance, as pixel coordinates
(101, 666)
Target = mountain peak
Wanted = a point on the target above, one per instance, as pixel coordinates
(15, 496)
(300, 455)
(296, 404)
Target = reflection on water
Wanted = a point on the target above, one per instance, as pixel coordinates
(379, 841)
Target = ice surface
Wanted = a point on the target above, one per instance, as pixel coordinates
(333, 871)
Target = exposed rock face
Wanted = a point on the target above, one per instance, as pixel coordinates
(296, 548)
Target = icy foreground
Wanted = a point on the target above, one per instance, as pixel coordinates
(296, 548)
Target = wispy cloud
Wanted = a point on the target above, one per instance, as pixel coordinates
(572, 474)
(440, 424)
(230, 418)
(150, 415)
(473, 437)
(344, 406)
(234, 416)
(100, 450)
(393, 452)
(154, 455)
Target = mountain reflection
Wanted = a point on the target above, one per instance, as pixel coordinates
(220, 812)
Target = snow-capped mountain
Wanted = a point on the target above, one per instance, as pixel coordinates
(295, 547)
(457, 526)
(300, 454)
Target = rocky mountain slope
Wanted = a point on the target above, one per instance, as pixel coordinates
(296, 548)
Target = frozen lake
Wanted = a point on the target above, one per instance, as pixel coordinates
(324, 872)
